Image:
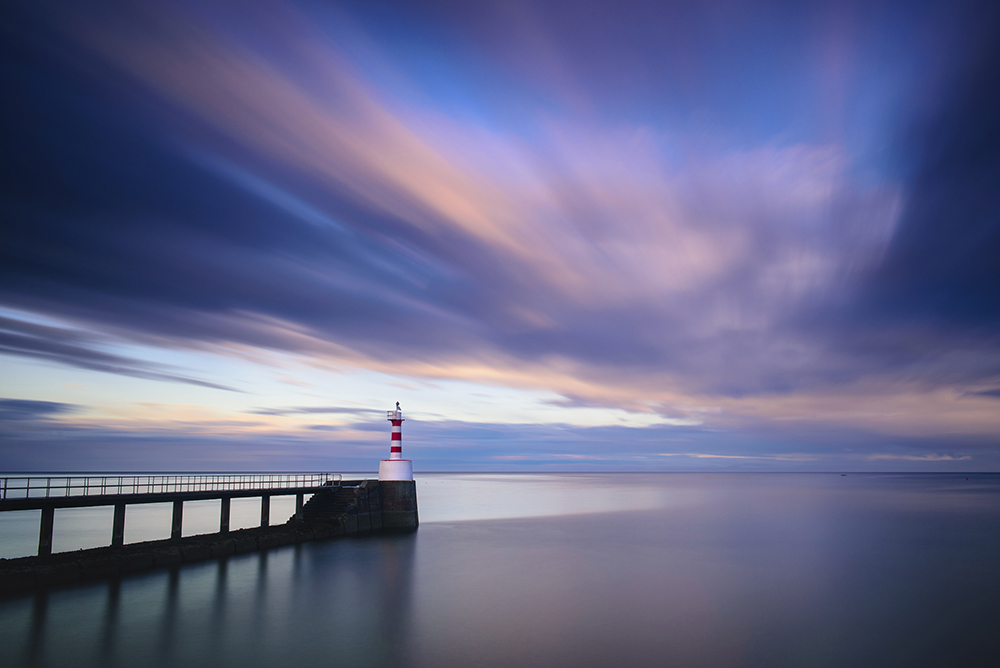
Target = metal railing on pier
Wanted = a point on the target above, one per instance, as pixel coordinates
(30, 487)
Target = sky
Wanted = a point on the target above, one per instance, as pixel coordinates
(574, 236)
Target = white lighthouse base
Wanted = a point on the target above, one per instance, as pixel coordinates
(395, 469)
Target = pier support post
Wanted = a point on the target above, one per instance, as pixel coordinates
(45, 532)
(298, 506)
(265, 510)
(177, 520)
(224, 519)
(118, 529)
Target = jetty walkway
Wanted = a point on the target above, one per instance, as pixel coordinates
(79, 491)
(336, 508)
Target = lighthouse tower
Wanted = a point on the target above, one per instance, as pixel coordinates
(396, 468)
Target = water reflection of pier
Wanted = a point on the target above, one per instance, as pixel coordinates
(347, 601)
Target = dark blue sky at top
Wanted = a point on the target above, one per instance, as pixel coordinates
(150, 195)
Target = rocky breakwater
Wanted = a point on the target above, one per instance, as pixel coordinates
(353, 508)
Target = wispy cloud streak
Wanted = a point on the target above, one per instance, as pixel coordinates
(634, 211)
(76, 348)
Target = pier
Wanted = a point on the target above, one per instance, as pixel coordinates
(336, 508)
(78, 491)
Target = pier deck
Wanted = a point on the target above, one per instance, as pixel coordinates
(50, 493)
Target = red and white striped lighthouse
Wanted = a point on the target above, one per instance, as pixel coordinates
(395, 468)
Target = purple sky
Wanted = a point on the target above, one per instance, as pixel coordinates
(565, 235)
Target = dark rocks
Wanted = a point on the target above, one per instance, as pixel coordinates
(100, 567)
(52, 575)
(267, 541)
(223, 548)
(245, 544)
(196, 552)
(136, 563)
(166, 556)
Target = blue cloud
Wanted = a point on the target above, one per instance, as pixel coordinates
(708, 203)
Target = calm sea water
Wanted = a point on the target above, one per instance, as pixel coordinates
(573, 570)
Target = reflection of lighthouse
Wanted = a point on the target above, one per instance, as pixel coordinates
(396, 468)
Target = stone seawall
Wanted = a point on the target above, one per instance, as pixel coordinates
(355, 508)
(399, 505)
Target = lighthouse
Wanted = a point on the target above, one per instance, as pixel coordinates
(395, 468)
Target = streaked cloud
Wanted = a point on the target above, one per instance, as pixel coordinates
(508, 219)
(80, 348)
(318, 410)
(920, 458)
(25, 409)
